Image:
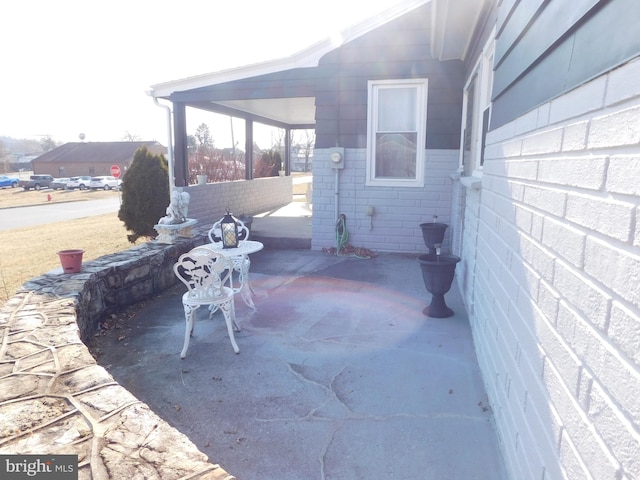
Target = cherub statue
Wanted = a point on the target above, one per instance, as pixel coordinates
(177, 209)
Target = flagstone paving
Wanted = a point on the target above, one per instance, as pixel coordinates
(55, 399)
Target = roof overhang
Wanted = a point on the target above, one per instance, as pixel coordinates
(452, 32)
(306, 58)
(453, 26)
(281, 111)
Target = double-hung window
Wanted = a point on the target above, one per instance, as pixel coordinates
(397, 132)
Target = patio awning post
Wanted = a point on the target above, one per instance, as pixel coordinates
(181, 157)
(248, 156)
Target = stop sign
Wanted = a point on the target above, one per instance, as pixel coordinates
(115, 171)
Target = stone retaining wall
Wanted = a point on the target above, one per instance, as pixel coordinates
(55, 399)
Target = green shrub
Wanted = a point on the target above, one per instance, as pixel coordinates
(145, 194)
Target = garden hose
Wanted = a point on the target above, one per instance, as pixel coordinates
(342, 234)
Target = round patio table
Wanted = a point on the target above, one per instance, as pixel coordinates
(241, 254)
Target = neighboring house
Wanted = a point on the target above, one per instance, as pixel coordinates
(301, 158)
(518, 124)
(90, 158)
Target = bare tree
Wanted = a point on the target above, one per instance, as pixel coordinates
(306, 141)
(47, 143)
(277, 140)
(203, 136)
(204, 159)
(130, 137)
(4, 157)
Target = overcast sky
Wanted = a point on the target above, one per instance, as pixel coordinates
(71, 66)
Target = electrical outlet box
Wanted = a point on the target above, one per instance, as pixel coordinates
(336, 157)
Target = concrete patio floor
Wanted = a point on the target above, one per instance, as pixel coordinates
(339, 375)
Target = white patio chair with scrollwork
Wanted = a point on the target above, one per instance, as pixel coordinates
(207, 275)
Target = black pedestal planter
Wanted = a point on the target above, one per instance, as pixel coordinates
(433, 233)
(437, 273)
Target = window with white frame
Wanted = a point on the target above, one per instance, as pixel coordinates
(477, 112)
(396, 132)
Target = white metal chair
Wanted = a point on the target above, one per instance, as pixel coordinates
(241, 263)
(207, 275)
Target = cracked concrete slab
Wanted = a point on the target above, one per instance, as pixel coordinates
(339, 376)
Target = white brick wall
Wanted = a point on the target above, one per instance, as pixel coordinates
(551, 278)
(210, 202)
(398, 211)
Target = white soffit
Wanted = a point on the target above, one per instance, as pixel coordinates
(453, 25)
(294, 111)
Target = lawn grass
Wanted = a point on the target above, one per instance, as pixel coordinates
(31, 251)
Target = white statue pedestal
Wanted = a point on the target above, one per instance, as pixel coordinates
(168, 232)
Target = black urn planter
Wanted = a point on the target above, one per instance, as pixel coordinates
(433, 233)
(437, 273)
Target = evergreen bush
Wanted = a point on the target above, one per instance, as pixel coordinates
(145, 194)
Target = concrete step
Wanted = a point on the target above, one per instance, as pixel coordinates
(286, 228)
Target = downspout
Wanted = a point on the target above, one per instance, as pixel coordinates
(172, 179)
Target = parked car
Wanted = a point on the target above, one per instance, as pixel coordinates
(104, 182)
(36, 182)
(6, 181)
(81, 182)
(59, 183)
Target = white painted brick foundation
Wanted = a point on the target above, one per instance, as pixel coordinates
(395, 225)
(550, 274)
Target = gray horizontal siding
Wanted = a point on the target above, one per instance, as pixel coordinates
(297, 82)
(398, 50)
(561, 45)
(538, 31)
(514, 18)
(507, 7)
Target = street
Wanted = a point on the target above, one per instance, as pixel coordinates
(19, 217)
